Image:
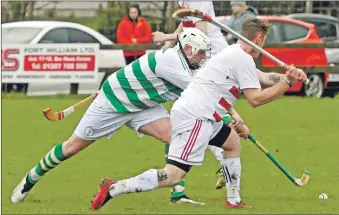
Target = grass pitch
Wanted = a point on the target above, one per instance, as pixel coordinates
(302, 133)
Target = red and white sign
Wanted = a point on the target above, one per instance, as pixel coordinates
(52, 63)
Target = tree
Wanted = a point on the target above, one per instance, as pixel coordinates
(19, 11)
(108, 17)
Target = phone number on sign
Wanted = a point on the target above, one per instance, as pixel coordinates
(59, 63)
(59, 67)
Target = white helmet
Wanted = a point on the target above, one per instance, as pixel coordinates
(198, 42)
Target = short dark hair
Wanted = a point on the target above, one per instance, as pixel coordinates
(251, 26)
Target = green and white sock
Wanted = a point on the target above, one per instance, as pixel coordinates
(53, 158)
(177, 190)
(166, 151)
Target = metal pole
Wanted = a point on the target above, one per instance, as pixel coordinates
(309, 6)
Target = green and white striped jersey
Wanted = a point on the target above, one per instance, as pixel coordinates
(154, 78)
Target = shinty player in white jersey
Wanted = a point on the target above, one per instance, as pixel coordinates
(218, 43)
(214, 33)
(131, 97)
(195, 118)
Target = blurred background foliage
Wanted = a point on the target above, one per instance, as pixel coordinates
(105, 16)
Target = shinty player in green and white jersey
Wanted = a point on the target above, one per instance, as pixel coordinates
(132, 96)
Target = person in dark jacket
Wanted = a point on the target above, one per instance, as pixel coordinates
(134, 29)
(240, 12)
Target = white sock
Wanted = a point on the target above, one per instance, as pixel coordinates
(218, 152)
(146, 181)
(232, 173)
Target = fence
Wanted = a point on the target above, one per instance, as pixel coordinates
(284, 7)
(104, 16)
(308, 69)
(116, 51)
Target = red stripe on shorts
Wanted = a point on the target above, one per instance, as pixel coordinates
(189, 141)
(194, 140)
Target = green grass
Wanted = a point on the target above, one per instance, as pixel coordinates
(302, 133)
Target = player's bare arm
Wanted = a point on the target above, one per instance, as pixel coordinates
(271, 78)
(202, 26)
(240, 127)
(258, 97)
(160, 37)
(170, 39)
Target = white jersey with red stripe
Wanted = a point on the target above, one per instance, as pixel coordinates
(218, 41)
(218, 85)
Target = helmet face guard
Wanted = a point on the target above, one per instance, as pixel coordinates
(198, 41)
(192, 66)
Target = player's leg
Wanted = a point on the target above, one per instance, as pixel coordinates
(187, 148)
(219, 43)
(155, 122)
(146, 181)
(221, 132)
(218, 153)
(57, 155)
(232, 170)
(231, 165)
(99, 120)
(194, 133)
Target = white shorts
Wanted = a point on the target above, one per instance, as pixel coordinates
(102, 120)
(190, 138)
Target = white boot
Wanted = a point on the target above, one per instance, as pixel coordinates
(21, 191)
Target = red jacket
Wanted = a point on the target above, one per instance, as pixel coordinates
(140, 30)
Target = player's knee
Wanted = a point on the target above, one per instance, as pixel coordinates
(170, 176)
(176, 180)
(221, 137)
(232, 143)
(176, 171)
(74, 145)
(165, 138)
(164, 134)
(160, 129)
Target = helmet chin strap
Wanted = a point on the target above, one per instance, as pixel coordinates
(190, 65)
